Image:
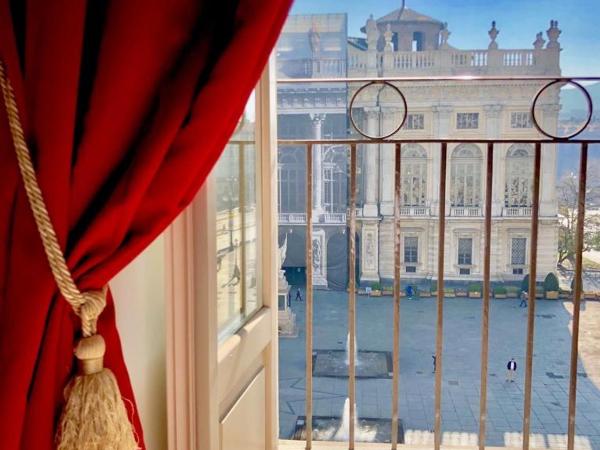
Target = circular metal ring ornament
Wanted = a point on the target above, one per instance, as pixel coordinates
(398, 91)
(588, 99)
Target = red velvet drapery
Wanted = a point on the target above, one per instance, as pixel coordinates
(126, 105)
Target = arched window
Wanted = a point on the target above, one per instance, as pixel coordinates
(335, 179)
(466, 176)
(414, 175)
(291, 166)
(519, 179)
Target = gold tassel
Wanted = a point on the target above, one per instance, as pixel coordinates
(95, 417)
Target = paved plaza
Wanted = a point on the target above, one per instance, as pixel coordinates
(461, 369)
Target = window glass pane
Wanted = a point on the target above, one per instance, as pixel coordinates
(518, 251)
(411, 245)
(465, 247)
(237, 226)
(520, 120)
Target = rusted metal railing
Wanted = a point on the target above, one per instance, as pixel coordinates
(549, 138)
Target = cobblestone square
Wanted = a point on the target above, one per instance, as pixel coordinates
(460, 368)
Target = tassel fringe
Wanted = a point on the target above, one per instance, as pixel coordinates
(95, 417)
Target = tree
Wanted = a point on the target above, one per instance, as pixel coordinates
(567, 193)
(551, 283)
(525, 283)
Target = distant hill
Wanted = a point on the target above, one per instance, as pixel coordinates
(573, 103)
(573, 107)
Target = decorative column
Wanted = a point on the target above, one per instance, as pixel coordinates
(371, 170)
(372, 38)
(390, 118)
(369, 251)
(441, 130)
(319, 258)
(548, 200)
(317, 122)
(492, 119)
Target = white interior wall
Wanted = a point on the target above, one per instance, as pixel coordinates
(139, 293)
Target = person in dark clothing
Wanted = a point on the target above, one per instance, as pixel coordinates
(523, 303)
(298, 295)
(511, 369)
(409, 292)
(434, 361)
(235, 278)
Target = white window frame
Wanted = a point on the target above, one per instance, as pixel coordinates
(410, 263)
(202, 373)
(512, 234)
(458, 263)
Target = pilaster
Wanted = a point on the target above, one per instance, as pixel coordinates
(369, 251)
(319, 258)
(371, 157)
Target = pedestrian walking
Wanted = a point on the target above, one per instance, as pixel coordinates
(511, 369)
(409, 292)
(434, 361)
(523, 303)
(298, 295)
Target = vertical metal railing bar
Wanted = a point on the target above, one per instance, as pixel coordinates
(439, 338)
(309, 298)
(352, 298)
(397, 263)
(577, 291)
(485, 314)
(531, 295)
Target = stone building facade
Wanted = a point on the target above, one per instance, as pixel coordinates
(417, 46)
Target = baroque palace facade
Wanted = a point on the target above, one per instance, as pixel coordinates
(317, 46)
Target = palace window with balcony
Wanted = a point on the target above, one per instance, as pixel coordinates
(291, 171)
(335, 180)
(519, 176)
(466, 176)
(414, 175)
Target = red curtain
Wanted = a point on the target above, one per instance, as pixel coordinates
(127, 105)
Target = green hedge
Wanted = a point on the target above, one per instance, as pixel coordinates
(525, 283)
(551, 283)
(512, 290)
(500, 290)
(474, 287)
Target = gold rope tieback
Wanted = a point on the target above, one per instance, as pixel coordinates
(94, 417)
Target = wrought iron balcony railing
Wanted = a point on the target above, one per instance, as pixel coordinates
(399, 216)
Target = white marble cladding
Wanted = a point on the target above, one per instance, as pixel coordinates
(454, 62)
(503, 231)
(490, 104)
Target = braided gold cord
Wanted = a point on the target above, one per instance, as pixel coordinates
(87, 305)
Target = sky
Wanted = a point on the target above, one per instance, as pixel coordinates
(470, 20)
